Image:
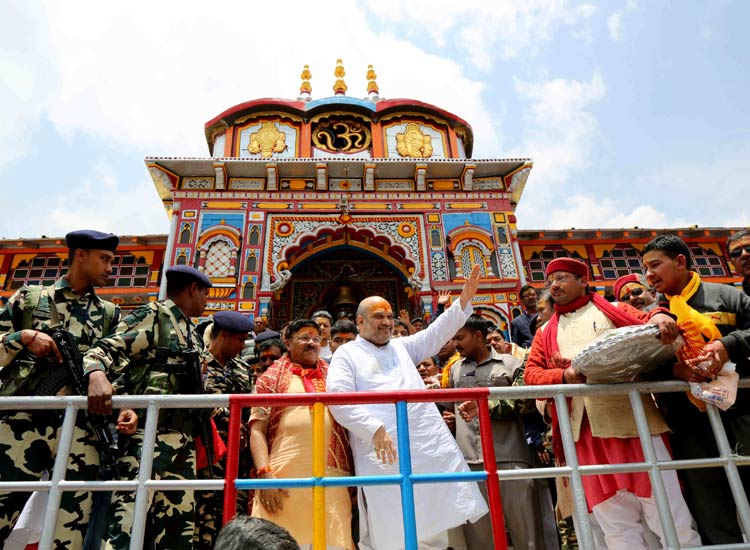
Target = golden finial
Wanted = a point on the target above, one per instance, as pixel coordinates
(305, 88)
(339, 86)
(372, 86)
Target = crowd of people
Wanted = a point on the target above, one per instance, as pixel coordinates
(157, 349)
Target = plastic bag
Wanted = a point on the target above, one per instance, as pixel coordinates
(722, 391)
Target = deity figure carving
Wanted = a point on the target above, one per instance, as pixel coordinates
(281, 280)
(267, 140)
(413, 142)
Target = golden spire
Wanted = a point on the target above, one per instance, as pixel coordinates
(372, 86)
(339, 86)
(305, 88)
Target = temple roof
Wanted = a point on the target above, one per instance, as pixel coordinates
(338, 103)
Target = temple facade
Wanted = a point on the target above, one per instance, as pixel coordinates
(311, 204)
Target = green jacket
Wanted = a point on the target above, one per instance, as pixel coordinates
(87, 317)
(144, 353)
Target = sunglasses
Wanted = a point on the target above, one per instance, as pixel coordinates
(632, 294)
(737, 252)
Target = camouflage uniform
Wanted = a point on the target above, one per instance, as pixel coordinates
(28, 440)
(230, 378)
(146, 356)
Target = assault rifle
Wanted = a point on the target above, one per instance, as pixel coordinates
(72, 373)
(201, 417)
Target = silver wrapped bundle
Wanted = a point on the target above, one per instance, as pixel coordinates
(623, 354)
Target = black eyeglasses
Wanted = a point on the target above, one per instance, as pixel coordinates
(632, 294)
(737, 252)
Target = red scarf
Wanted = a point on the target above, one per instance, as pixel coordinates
(618, 317)
(312, 379)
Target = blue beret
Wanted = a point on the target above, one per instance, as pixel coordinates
(89, 239)
(266, 335)
(233, 321)
(186, 272)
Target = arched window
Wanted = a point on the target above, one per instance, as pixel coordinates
(471, 255)
(129, 271)
(218, 259)
(706, 262)
(254, 235)
(248, 291)
(186, 235)
(41, 270)
(182, 258)
(537, 264)
(620, 261)
(435, 239)
(252, 262)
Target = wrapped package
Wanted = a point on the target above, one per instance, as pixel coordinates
(623, 354)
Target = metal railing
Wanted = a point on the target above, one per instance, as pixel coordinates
(143, 485)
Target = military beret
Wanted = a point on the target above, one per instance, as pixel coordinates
(233, 321)
(186, 272)
(88, 239)
(266, 335)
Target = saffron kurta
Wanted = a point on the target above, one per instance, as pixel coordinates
(363, 366)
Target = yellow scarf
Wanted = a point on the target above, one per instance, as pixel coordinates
(697, 329)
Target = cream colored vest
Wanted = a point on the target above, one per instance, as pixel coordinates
(609, 416)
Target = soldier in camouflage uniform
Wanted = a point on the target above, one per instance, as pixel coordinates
(225, 373)
(149, 353)
(28, 360)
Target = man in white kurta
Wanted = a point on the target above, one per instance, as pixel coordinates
(374, 362)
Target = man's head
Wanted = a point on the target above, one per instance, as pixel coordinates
(545, 307)
(471, 339)
(399, 329)
(269, 350)
(738, 248)
(260, 325)
(342, 331)
(231, 329)
(634, 289)
(417, 323)
(567, 280)
(324, 320)
(304, 342)
(496, 340)
(375, 320)
(447, 351)
(667, 262)
(528, 298)
(248, 533)
(90, 255)
(188, 288)
(429, 367)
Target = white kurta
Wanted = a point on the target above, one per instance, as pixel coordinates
(362, 366)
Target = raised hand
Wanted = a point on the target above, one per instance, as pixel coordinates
(470, 286)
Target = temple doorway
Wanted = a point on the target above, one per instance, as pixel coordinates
(336, 281)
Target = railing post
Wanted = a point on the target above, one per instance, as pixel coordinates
(319, 472)
(233, 460)
(493, 483)
(580, 510)
(145, 468)
(407, 486)
(657, 483)
(730, 467)
(64, 442)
